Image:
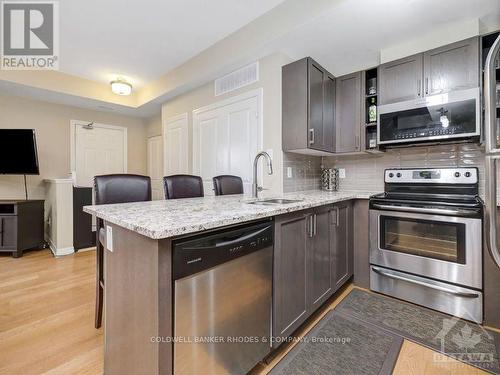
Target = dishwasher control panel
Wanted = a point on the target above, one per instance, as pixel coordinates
(195, 254)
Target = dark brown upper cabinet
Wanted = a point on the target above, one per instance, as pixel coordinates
(401, 80)
(452, 67)
(348, 113)
(444, 69)
(308, 104)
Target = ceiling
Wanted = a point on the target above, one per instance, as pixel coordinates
(167, 47)
(142, 40)
(349, 37)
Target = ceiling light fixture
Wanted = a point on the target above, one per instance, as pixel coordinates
(121, 87)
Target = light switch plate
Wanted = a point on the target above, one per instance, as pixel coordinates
(342, 173)
(289, 172)
(109, 238)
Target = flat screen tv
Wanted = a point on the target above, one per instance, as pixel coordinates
(18, 153)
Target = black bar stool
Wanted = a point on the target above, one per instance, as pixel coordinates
(227, 184)
(183, 186)
(109, 189)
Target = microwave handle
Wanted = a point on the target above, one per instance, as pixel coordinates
(431, 286)
(434, 211)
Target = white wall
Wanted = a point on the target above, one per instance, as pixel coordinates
(52, 125)
(59, 212)
(270, 81)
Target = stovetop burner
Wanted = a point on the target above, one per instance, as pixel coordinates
(434, 188)
(451, 200)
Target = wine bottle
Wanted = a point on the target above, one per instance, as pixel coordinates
(372, 111)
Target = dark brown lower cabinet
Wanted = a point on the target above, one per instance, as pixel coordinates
(342, 239)
(291, 238)
(21, 226)
(312, 259)
(320, 257)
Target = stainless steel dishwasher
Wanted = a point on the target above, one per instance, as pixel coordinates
(222, 300)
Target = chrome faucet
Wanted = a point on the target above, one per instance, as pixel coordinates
(255, 187)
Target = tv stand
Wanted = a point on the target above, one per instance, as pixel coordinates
(21, 225)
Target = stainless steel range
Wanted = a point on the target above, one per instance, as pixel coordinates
(426, 239)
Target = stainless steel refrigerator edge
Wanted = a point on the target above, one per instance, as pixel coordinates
(492, 152)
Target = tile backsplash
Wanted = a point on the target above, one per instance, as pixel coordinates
(365, 172)
(306, 172)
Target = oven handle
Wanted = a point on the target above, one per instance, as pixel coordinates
(437, 287)
(436, 211)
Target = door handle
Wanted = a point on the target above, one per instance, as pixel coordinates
(490, 222)
(430, 286)
(310, 226)
(335, 219)
(489, 95)
(492, 152)
(311, 136)
(435, 211)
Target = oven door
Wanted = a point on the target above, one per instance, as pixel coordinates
(445, 248)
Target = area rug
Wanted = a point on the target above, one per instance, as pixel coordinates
(457, 338)
(340, 344)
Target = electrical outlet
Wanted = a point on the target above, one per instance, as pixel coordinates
(109, 238)
(289, 172)
(342, 173)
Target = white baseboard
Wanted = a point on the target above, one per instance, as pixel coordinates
(87, 249)
(60, 251)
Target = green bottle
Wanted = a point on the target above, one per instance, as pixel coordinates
(372, 111)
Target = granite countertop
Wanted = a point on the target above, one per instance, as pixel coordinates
(169, 218)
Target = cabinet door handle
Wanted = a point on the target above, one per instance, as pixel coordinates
(1, 232)
(311, 136)
(335, 219)
(419, 89)
(310, 225)
(357, 142)
(314, 224)
(426, 85)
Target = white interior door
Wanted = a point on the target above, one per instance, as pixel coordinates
(226, 137)
(97, 149)
(176, 147)
(155, 166)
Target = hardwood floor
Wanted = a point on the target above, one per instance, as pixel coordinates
(47, 315)
(47, 321)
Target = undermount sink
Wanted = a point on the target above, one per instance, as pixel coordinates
(275, 201)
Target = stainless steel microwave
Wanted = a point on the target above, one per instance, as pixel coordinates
(444, 117)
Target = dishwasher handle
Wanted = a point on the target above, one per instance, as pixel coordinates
(224, 243)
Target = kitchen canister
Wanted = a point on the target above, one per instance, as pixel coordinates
(330, 179)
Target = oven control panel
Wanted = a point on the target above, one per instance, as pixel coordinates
(432, 175)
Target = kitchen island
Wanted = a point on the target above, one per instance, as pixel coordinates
(138, 266)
